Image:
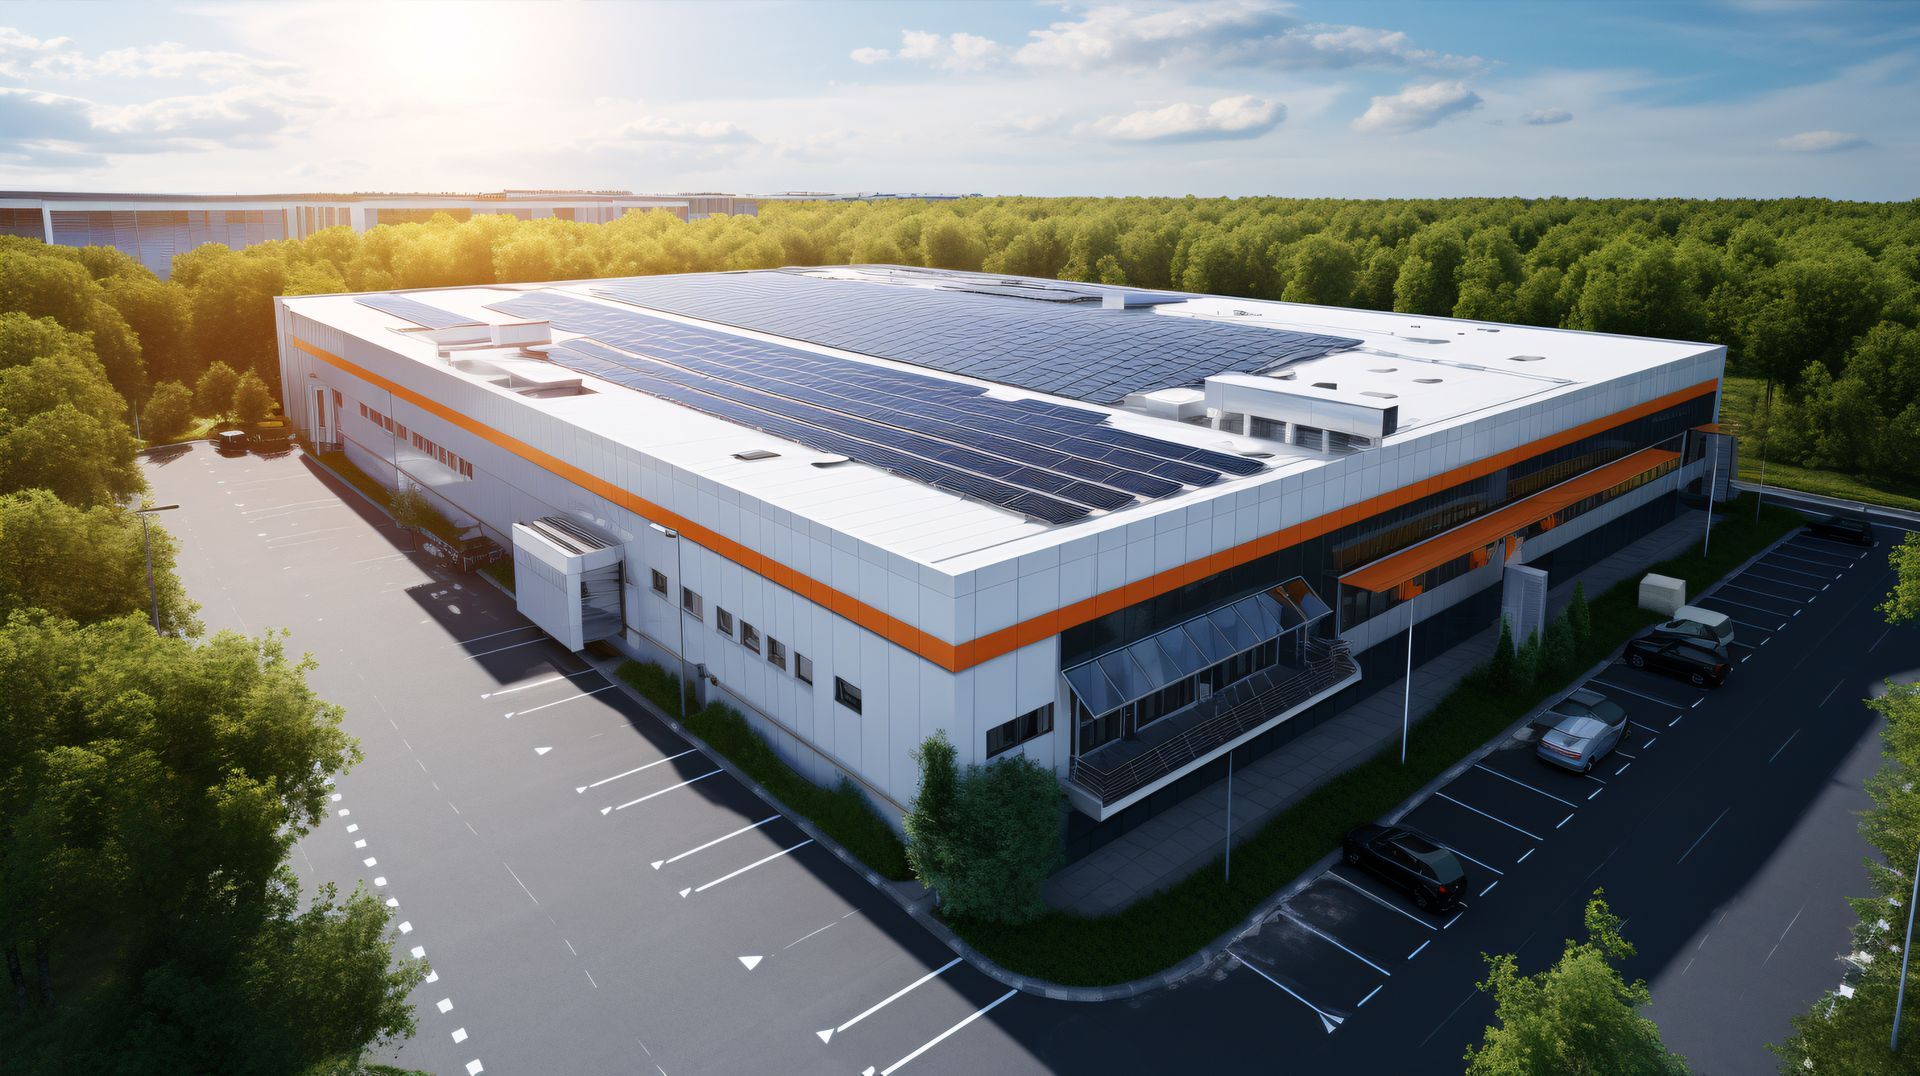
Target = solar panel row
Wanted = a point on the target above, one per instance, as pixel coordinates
(1065, 349)
(422, 314)
(949, 435)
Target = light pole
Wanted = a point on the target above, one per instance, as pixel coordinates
(146, 544)
(1406, 697)
(679, 619)
(1229, 877)
(1905, 951)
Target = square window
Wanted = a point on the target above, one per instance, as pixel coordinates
(659, 583)
(690, 601)
(846, 694)
(803, 668)
(749, 636)
(723, 622)
(776, 653)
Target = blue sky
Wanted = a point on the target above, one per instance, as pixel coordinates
(1727, 97)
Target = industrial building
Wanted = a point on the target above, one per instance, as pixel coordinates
(1121, 532)
(155, 227)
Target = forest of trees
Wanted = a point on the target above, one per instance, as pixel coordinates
(1818, 300)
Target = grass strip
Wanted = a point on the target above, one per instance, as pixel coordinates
(1164, 928)
(842, 812)
(339, 464)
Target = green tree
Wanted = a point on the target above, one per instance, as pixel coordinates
(1527, 662)
(88, 564)
(213, 395)
(992, 834)
(1902, 605)
(1556, 648)
(168, 413)
(1580, 616)
(1503, 668)
(81, 459)
(252, 400)
(52, 282)
(1324, 271)
(412, 512)
(1578, 1017)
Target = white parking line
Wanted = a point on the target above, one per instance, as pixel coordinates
(1782, 582)
(509, 646)
(1469, 858)
(1370, 993)
(1763, 594)
(662, 792)
(1813, 560)
(1793, 571)
(1490, 886)
(537, 683)
(890, 999)
(1327, 1019)
(1521, 783)
(1638, 695)
(658, 863)
(1416, 952)
(1715, 597)
(1621, 770)
(748, 867)
(495, 635)
(1485, 815)
(936, 1040)
(1783, 746)
(1377, 900)
(636, 769)
(1702, 837)
(1831, 690)
(1330, 939)
(545, 705)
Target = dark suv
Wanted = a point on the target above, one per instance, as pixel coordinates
(1843, 529)
(1409, 859)
(1698, 665)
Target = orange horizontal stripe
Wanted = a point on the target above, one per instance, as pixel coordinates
(1389, 572)
(955, 657)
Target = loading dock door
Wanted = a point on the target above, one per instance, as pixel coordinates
(568, 581)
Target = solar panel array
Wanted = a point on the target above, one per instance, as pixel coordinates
(1050, 461)
(422, 314)
(1060, 348)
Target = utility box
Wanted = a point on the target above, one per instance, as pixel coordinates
(1663, 594)
(1523, 601)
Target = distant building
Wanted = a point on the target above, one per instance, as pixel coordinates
(1120, 532)
(155, 227)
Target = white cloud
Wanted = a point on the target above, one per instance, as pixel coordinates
(1546, 117)
(1248, 33)
(662, 129)
(948, 52)
(24, 56)
(870, 56)
(19, 51)
(1822, 142)
(1244, 116)
(1416, 108)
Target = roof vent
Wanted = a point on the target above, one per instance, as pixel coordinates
(831, 461)
(1525, 358)
(1383, 369)
(1426, 380)
(756, 454)
(1326, 384)
(1381, 395)
(1258, 455)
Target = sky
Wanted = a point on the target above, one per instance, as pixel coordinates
(1217, 97)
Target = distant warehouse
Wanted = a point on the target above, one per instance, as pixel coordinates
(1121, 532)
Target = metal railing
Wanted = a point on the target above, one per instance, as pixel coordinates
(1240, 708)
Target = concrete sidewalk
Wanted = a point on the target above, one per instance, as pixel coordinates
(1177, 842)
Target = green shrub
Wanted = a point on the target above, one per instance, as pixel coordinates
(213, 394)
(1579, 617)
(1502, 671)
(985, 840)
(168, 413)
(842, 812)
(1557, 650)
(1526, 663)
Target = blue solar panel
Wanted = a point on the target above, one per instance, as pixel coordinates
(422, 314)
(1065, 349)
(1047, 460)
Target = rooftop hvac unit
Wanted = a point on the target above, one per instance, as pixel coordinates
(1319, 407)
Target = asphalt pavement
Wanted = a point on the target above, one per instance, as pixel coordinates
(595, 895)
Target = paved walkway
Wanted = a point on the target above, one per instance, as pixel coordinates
(1179, 841)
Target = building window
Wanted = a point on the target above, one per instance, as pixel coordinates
(749, 636)
(803, 668)
(690, 601)
(776, 653)
(846, 694)
(659, 583)
(723, 622)
(1021, 729)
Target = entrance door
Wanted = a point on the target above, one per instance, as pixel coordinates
(322, 426)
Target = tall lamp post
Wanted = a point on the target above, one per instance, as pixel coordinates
(1905, 951)
(679, 617)
(146, 544)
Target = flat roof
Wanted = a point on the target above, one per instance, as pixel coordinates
(1442, 373)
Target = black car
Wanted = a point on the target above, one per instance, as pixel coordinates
(1409, 859)
(1697, 664)
(1843, 529)
(231, 442)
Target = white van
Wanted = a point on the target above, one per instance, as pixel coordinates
(1703, 625)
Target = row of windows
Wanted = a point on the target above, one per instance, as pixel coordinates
(450, 460)
(1027, 726)
(398, 429)
(747, 635)
(1098, 729)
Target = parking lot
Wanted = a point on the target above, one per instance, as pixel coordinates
(1344, 940)
(594, 895)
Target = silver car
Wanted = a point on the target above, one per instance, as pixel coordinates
(1586, 727)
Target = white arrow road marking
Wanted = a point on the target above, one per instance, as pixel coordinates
(1327, 1019)
(662, 792)
(658, 863)
(936, 1040)
(890, 999)
(636, 769)
(541, 750)
(751, 961)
